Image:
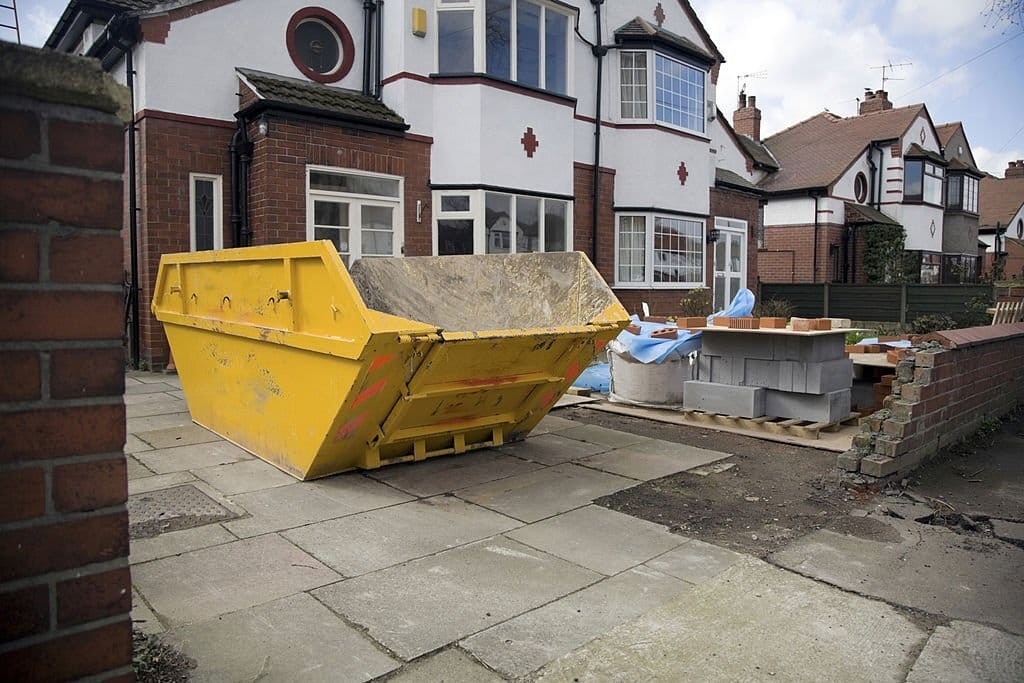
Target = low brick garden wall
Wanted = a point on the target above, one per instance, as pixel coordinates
(944, 389)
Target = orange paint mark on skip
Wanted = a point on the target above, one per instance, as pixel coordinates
(370, 391)
(548, 398)
(350, 427)
(573, 371)
(380, 361)
(599, 344)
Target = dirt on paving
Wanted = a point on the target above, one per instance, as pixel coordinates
(773, 493)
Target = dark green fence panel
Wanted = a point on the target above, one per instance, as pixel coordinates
(808, 299)
(879, 303)
(942, 299)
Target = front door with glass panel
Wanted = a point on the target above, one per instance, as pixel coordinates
(730, 260)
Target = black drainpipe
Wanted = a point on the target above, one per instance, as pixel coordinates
(599, 51)
(240, 150)
(133, 219)
(378, 48)
(368, 7)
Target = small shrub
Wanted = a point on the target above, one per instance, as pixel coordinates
(774, 308)
(888, 329)
(697, 302)
(976, 312)
(932, 323)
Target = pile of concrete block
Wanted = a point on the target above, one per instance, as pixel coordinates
(792, 376)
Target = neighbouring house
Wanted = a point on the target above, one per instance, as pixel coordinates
(1002, 221)
(865, 198)
(430, 128)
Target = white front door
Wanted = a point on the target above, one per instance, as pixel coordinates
(730, 260)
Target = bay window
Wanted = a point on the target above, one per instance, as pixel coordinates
(922, 181)
(962, 192)
(659, 251)
(526, 41)
(678, 95)
(359, 212)
(484, 222)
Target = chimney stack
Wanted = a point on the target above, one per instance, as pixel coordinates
(746, 120)
(1015, 169)
(875, 101)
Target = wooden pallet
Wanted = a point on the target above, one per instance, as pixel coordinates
(774, 425)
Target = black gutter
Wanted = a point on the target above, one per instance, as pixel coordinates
(304, 113)
(599, 51)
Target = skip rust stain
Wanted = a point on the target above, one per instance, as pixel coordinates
(370, 391)
(350, 427)
(380, 361)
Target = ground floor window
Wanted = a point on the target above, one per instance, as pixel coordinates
(486, 222)
(206, 212)
(922, 267)
(359, 212)
(659, 251)
(959, 269)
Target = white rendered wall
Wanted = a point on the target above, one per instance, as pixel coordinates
(647, 164)
(726, 153)
(844, 187)
(795, 211)
(917, 220)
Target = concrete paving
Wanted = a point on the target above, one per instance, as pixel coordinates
(495, 565)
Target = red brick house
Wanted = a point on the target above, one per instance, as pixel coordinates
(444, 127)
(1002, 220)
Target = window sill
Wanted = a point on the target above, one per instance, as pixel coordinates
(659, 285)
(921, 202)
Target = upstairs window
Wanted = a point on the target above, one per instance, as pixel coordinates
(922, 181)
(678, 95)
(962, 193)
(516, 40)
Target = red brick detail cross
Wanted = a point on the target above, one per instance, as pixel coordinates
(682, 173)
(530, 142)
(659, 15)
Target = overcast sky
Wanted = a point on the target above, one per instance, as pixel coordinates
(819, 54)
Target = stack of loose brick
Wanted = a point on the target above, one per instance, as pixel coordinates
(940, 396)
(65, 589)
(804, 377)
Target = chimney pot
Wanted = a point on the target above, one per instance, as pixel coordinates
(743, 101)
(752, 101)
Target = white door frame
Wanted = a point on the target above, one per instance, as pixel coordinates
(727, 227)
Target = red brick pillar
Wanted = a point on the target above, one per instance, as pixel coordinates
(65, 587)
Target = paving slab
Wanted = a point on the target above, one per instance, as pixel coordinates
(535, 495)
(695, 561)
(529, 641)
(373, 540)
(658, 460)
(598, 538)
(155, 482)
(425, 604)
(136, 399)
(134, 444)
(146, 377)
(963, 652)
(612, 438)
(1008, 531)
(291, 639)
(450, 473)
(567, 400)
(177, 393)
(552, 449)
(136, 470)
(301, 503)
(447, 666)
(552, 423)
(178, 542)
(135, 425)
(930, 568)
(244, 476)
(163, 407)
(139, 388)
(185, 435)
(196, 456)
(752, 622)
(203, 584)
(143, 617)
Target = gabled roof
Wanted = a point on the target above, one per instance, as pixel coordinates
(699, 25)
(315, 97)
(916, 150)
(640, 29)
(945, 131)
(761, 155)
(817, 151)
(99, 10)
(726, 177)
(999, 200)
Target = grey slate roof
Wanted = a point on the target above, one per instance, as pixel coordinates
(758, 152)
(726, 177)
(640, 28)
(348, 103)
(869, 214)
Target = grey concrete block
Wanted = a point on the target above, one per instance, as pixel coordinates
(829, 407)
(731, 344)
(724, 399)
(807, 349)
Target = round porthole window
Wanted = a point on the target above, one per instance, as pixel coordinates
(320, 45)
(860, 187)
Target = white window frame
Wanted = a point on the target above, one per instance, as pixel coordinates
(649, 282)
(357, 201)
(477, 213)
(218, 209)
(479, 9)
(652, 114)
(735, 226)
